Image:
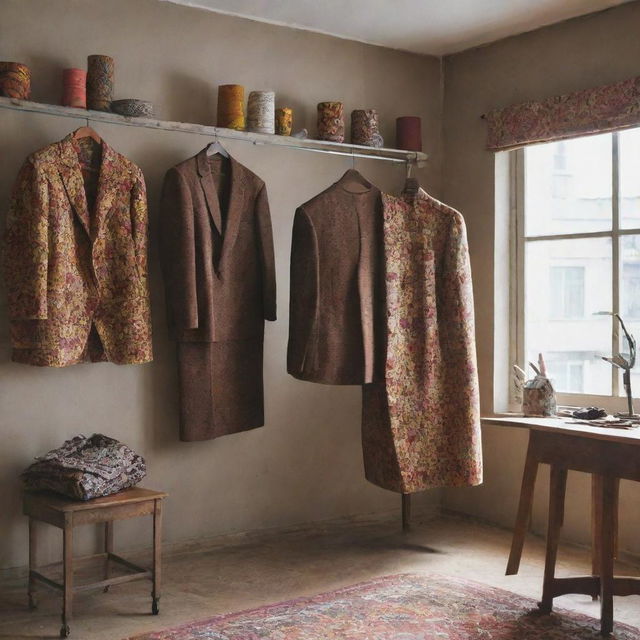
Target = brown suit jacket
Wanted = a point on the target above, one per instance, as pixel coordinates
(336, 330)
(76, 275)
(219, 273)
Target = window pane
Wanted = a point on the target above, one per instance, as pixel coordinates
(566, 282)
(568, 186)
(629, 178)
(630, 300)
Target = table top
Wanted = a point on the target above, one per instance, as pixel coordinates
(57, 502)
(559, 425)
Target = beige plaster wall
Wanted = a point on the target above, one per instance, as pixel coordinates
(582, 53)
(306, 464)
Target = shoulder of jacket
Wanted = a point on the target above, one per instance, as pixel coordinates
(128, 165)
(251, 177)
(317, 203)
(453, 215)
(49, 155)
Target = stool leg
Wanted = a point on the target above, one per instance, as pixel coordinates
(67, 563)
(108, 549)
(607, 550)
(157, 547)
(524, 510)
(33, 563)
(556, 515)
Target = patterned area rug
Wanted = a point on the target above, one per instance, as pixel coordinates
(400, 607)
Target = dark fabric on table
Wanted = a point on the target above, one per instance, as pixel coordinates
(86, 468)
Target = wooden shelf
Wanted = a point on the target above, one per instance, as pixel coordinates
(319, 146)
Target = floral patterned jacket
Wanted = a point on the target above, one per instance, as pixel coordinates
(76, 266)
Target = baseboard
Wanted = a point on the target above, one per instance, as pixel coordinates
(420, 513)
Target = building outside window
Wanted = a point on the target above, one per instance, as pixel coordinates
(577, 251)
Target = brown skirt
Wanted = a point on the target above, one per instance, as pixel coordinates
(221, 390)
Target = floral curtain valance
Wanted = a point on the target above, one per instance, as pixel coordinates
(607, 108)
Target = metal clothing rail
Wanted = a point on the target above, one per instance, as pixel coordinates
(318, 146)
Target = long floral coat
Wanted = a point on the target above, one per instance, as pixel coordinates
(421, 426)
(76, 267)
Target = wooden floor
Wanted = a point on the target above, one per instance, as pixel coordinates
(228, 578)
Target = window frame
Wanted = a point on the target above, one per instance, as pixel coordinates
(517, 284)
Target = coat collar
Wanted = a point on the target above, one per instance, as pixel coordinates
(236, 195)
(71, 174)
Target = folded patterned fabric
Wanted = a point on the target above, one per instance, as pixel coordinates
(86, 468)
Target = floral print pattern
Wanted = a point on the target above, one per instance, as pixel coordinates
(604, 108)
(75, 260)
(400, 607)
(421, 426)
(86, 468)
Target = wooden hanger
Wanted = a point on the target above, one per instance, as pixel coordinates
(355, 182)
(87, 132)
(411, 185)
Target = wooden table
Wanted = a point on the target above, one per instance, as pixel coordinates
(66, 514)
(609, 455)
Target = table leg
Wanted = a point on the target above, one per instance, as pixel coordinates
(157, 548)
(524, 509)
(406, 511)
(596, 523)
(33, 563)
(557, 490)
(67, 564)
(108, 549)
(607, 550)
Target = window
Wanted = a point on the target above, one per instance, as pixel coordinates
(578, 257)
(566, 289)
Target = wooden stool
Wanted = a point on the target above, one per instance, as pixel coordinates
(66, 514)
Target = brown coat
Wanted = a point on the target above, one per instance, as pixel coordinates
(218, 264)
(336, 330)
(76, 266)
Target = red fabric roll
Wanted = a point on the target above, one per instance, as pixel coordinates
(409, 133)
(74, 88)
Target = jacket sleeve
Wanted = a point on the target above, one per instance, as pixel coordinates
(303, 297)
(457, 337)
(177, 253)
(26, 246)
(267, 261)
(139, 220)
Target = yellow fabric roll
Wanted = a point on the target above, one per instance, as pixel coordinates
(231, 106)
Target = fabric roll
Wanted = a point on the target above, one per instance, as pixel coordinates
(15, 80)
(331, 121)
(231, 106)
(74, 88)
(261, 112)
(100, 76)
(364, 128)
(284, 121)
(409, 133)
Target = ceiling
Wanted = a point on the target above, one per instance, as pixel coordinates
(436, 27)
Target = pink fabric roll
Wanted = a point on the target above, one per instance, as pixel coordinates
(74, 88)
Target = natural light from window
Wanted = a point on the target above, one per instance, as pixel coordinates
(579, 232)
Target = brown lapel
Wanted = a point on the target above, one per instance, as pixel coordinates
(209, 189)
(236, 197)
(234, 214)
(72, 179)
